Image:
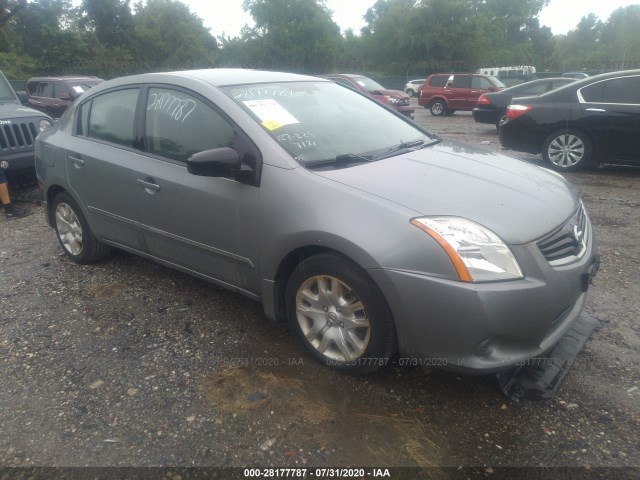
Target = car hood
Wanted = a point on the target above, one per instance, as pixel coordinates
(15, 110)
(518, 201)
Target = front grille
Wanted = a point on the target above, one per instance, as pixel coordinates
(405, 102)
(569, 242)
(17, 136)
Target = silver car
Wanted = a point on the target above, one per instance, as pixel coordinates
(369, 234)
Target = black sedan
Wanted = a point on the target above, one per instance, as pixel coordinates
(491, 107)
(595, 120)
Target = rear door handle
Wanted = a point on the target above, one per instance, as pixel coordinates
(148, 185)
(596, 110)
(77, 162)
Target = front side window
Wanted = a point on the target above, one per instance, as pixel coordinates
(178, 125)
(110, 116)
(438, 81)
(46, 90)
(319, 121)
(461, 81)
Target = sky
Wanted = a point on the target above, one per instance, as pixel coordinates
(560, 15)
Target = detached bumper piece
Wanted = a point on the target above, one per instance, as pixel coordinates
(538, 380)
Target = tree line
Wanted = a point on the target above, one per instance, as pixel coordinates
(110, 38)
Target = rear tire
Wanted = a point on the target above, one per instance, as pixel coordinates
(568, 150)
(73, 232)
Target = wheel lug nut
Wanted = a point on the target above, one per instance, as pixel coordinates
(326, 309)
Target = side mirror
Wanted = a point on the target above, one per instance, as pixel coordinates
(22, 96)
(218, 162)
(64, 96)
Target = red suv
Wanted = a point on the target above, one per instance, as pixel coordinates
(445, 93)
(52, 95)
(396, 99)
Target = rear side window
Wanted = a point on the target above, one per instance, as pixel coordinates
(111, 117)
(179, 125)
(46, 90)
(538, 89)
(438, 81)
(624, 90)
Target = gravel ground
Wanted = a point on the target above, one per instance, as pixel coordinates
(128, 363)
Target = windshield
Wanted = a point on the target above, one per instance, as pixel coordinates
(322, 121)
(6, 92)
(368, 84)
(83, 85)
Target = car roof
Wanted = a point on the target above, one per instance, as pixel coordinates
(219, 76)
(566, 80)
(343, 75)
(605, 76)
(63, 78)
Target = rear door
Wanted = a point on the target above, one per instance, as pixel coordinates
(102, 166)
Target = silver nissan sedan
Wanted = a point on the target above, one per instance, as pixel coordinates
(370, 235)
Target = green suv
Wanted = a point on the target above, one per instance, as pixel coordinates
(19, 126)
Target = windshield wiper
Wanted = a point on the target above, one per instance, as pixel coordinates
(341, 161)
(414, 144)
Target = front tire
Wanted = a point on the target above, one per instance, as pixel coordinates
(568, 150)
(73, 232)
(339, 314)
(437, 108)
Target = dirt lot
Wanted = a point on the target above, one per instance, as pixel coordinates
(127, 363)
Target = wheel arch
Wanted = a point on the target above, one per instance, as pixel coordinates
(51, 194)
(275, 306)
(439, 97)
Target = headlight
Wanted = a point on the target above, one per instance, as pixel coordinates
(43, 125)
(477, 253)
(393, 100)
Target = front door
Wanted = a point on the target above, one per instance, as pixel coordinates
(207, 225)
(459, 92)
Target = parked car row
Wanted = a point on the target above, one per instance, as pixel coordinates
(575, 121)
(593, 120)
